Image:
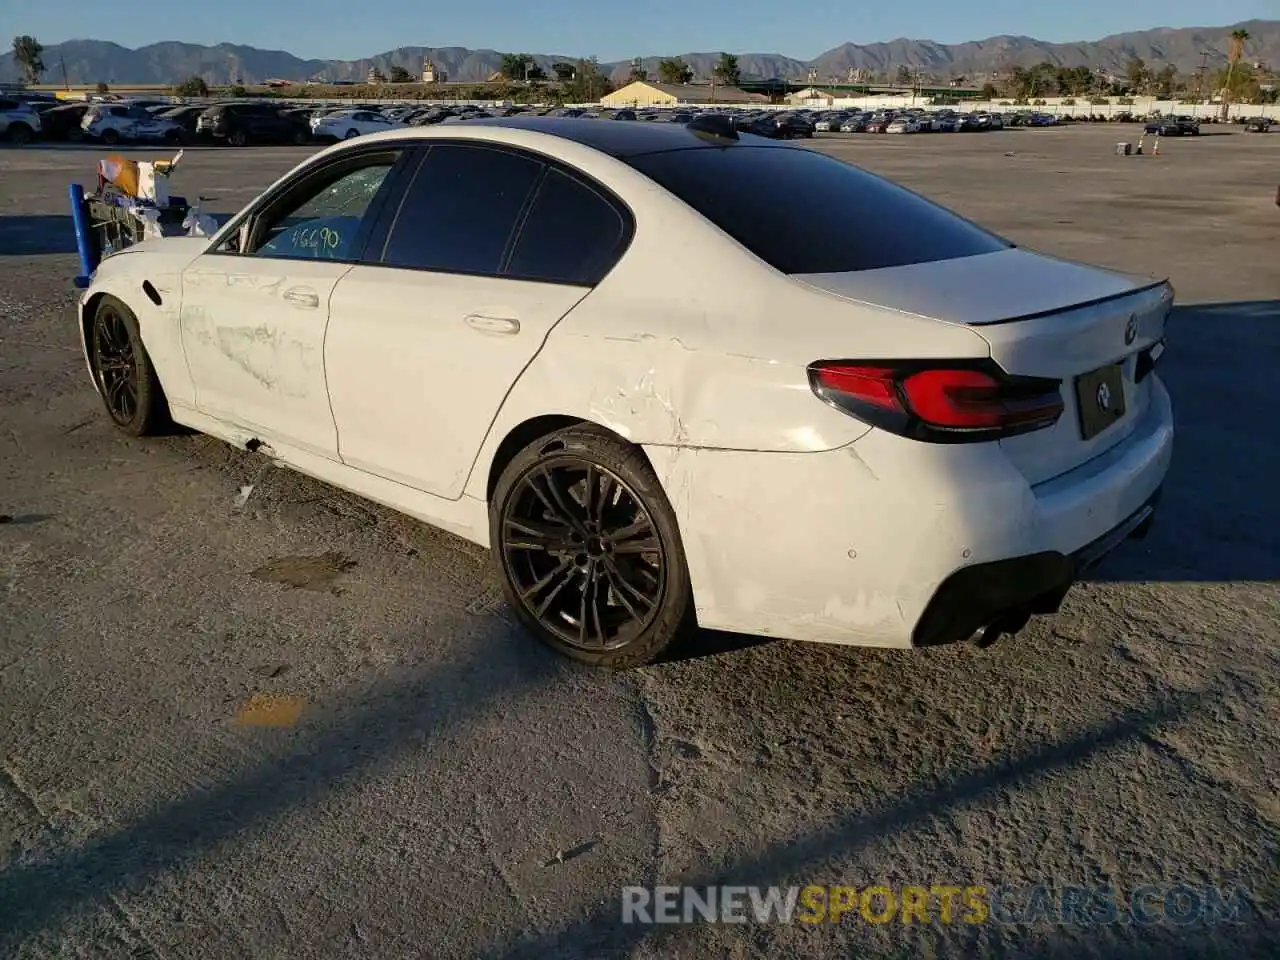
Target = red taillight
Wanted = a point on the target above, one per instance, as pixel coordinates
(872, 385)
(939, 402)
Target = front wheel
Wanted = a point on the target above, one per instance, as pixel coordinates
(237, 138)
(19, 134)
(589, 549)
(123, 372)
(110, 137)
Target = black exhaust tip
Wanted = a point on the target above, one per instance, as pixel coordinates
(1009, 624)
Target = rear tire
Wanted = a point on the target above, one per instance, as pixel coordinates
(589, 549)
(19, 134)
(110, 137)
(123, 373)
(237, 138)
(352, 134)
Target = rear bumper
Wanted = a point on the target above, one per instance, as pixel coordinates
(894, 543)
(1009, 591)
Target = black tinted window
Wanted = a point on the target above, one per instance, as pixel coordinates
(461, 209)
(572, 234)
(803, 212)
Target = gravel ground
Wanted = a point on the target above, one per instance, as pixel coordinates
(448, 789)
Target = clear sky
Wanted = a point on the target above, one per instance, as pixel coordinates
(341, 29)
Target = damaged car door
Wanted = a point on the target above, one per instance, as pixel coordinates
(255, 309)
(462, 281)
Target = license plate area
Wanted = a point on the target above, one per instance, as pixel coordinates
(1100, 398)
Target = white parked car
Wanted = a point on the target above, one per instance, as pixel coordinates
(851, 416)
(349, 124)
(904, 125)
(19, 121)
(114, 122)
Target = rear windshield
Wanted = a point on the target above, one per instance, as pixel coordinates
(803, 212)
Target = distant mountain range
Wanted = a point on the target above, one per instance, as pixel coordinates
(91, 61)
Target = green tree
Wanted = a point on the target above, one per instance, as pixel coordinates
(904, 75)
(589, 82)
(1137, 75)
(400, 75)
(534, 73)
(1238, 83)
(1073, 81)
(1235, 51)
(1019, 82)
(989, 91)
(1166, 82)
(27, 51)
(236, 90)
(193, 86)
(674, 70)
(637, 73)
(726, 70)
(513, 65)
(563, 71)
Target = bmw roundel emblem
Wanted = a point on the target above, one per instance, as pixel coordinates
(1131, 330)
(1104, 397)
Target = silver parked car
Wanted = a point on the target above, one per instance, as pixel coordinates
(19, 122)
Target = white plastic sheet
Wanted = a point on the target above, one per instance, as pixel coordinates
(199, 224)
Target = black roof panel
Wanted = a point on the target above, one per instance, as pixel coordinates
(620, 138)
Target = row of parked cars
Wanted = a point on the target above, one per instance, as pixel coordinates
(240, 123)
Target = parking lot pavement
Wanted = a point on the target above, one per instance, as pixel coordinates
(306, 726)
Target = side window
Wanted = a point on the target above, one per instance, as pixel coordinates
(460, 211)
(323, 220)
(572, 234)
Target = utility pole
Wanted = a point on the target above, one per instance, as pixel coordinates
(1204, 66)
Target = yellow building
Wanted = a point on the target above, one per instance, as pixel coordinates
(643, 93)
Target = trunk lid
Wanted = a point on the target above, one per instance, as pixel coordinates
(1042, 317)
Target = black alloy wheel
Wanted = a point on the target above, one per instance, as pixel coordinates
(122, 369)
(589, 549)
(115, 365)
(237, 138)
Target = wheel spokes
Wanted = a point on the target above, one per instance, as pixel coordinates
(547, 490)
(535, 535)
(557, 579)
(555, 532)
(116, 367)
(626, 591)
(589, 608)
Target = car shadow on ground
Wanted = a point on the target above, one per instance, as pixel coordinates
(1219, 514)
(337, 747)
(347, 745)
(27, 236)
(601, 932)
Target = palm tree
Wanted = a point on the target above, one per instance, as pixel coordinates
(1235, 50)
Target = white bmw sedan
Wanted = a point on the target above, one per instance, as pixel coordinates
(672, 376)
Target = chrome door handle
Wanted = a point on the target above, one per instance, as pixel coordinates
(493, 324)
(302, 297)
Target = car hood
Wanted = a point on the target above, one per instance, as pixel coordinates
(162, 255)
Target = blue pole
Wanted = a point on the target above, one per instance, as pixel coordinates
(84, 237)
